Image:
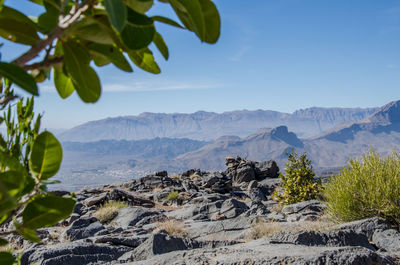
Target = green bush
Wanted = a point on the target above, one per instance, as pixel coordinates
(298, 183)
(367, 187)
(173, 196)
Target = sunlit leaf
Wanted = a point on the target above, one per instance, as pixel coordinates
(161, 45)
(46, 156)
(145, 60)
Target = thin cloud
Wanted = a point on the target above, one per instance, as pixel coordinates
(143, 87)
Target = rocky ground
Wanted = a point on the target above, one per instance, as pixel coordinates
(207, 218)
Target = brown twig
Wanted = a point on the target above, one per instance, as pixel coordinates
(44, 64)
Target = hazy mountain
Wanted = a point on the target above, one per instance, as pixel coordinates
(381, 130)
(209, 125)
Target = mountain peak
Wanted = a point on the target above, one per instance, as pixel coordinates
(389, 113)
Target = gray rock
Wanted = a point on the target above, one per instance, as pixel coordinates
(232, 208)
(266, 169)
(73, 253)
(261, 252)
(252, 184)
(159, 243)
(83, 228)
(243, 174)
(257, 195)
(100, 199)
(131, 215)
(312, 205)
(129, 241)
(387, 240)
(329, 239)
(365, 226)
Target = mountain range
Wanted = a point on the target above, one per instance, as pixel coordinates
(208, 126)
(113, 160)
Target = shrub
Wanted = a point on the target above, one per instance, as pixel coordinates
(298, 183)
(367, 187)
(109, 210)
(173, 196)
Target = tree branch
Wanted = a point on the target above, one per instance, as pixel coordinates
(64, 23)
(44, 64)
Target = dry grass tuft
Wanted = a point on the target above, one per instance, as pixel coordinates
(109, 210)
(266, 229)
(173, 228)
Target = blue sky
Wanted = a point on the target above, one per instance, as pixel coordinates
(278, 55)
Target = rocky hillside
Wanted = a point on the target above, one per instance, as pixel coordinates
(209, 125)
(206, 218)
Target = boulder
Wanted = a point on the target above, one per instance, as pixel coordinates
(312, 205)
(328, 239)
(131, 215)
(96, 200)
(84, 227)
(387, 240)
(73, 253)
(261, 252)
(266, 169)
(159, 243)
(366, 226)
(129, 241)
(232, 208)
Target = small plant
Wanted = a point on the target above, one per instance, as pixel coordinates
(109, 210)
(173, 196)
(298, 183)
(367, 187)
(173, 228)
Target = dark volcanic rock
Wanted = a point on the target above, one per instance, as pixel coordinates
(130, 216)
(366, 226)
(74, 253)
(329, 239)
(159, 243)
(83, 228)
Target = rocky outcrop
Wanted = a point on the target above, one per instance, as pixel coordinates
(213, 218)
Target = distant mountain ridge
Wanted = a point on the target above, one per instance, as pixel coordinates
(207, 126)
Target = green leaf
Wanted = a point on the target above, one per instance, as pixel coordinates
(8, 12)
(138, 31)
(12, 181)
(18, 76)
(161, 45)
(89, 29)
(6, 258)
(10, 162)
(112, 54)
(63, 83)
(145, 60)
(46, 156)
(17, 31)
(49, 19)
(140, 6)
(46, 211)
(84, 78)
(168, 21)
(3, 242)
(212, 21)
(116, 11)
(28, 234)
(199, 16)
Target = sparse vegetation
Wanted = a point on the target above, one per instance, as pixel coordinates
(367, 187)
(173, 196)
(266, 229)
(173, 228)
(109, 210)
(298, 183)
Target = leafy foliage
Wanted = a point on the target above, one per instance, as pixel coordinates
(173, 196)
(298, 183)
(68, 39)
(367, 187)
